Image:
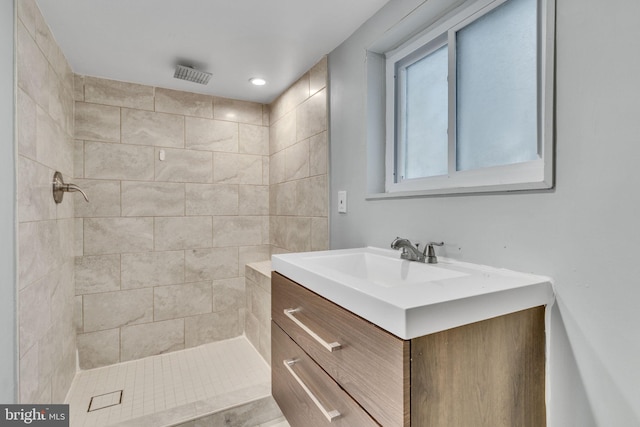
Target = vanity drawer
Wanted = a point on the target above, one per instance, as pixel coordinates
(297, 381)
(371, 364)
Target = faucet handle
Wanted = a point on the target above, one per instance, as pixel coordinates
(430, 253)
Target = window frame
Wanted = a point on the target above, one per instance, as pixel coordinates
(531, 175)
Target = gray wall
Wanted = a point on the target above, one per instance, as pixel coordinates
(584, 233)
(7, 207)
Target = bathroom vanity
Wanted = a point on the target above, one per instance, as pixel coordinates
(360, 337)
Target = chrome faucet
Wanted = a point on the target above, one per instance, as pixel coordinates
(412, 253)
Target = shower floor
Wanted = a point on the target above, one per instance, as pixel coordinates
(176, 388)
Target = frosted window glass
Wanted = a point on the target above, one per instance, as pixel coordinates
(425, 139)
(496, 88)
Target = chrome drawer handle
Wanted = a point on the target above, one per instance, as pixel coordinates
(329, 346)
(329, 415)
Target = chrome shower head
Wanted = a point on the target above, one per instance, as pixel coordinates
(191, 74)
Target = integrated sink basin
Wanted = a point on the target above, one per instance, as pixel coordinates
(381, 270)
(411, 299)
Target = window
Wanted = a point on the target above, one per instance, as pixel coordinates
(469, 102)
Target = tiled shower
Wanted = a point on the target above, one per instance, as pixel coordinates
(185, 189)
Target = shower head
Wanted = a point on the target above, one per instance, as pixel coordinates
(191, 74)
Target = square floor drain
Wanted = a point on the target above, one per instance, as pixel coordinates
(105, 400)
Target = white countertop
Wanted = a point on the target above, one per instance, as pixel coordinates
(410, 299)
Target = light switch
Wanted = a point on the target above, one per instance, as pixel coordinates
(342, 202)
(162, 155)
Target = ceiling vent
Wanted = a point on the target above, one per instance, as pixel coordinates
(192, 75)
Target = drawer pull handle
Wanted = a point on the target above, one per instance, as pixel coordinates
(289, 312)
(329, 415)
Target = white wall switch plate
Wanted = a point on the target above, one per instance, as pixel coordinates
(342, 202)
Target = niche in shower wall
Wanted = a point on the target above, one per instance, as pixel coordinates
(162, 247)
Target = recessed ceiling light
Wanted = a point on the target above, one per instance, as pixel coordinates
(258, 81)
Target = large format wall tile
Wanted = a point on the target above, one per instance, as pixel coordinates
(184, 166)
(118, 161)
(152, 199)
(149, 128)
(184, 103)
(211, 327)
(151, 339)
(173, 302)
(119, 94)
(96, 274)
(115, 309)
(98, 349)
(209, 264)
(211, 135)
(237, 231)
(148, 269)
(211, 199)
(104, 198)
(117, 235)
(97, 122)
(182, 233)
(237, 111)
(254, 139)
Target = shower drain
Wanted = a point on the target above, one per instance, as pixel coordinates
(106, 400)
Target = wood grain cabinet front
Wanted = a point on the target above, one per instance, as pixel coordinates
(486, 374)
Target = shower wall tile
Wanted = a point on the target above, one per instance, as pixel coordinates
(211, 199)
(210, 264)
(253, 200)
(34, 310)
(184, 166)
(282, 134)
(311, 117)
(298, 196)
(152, 199)
(185, 227)
(228, 294)
(151, 339)
(184, 103)
(149, 269)
(211, 327)
(233, 168)
(177, 301)
(251, 254)
(115, 309)
(118, 94)
(318, 76)
(34, 191)
(237, 231)
(32, 67)
(117, 235)
(141, 127)
(182, 233)
(97, 122)
(211, 135)
(254, 139)
(318, 154)
(290, 99)
(78, 159)
(118, 161)
(26, 126)
(54, 147)
(311, 197)
(97, 349)
(104, 198)
(237, 111)
(296, 161)
(44, 133)
(96, 274)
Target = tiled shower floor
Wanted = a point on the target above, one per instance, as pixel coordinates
(172, 388)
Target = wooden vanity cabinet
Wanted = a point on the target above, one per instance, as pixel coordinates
(490, 373)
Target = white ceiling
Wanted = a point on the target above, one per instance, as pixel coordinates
(141, 41)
